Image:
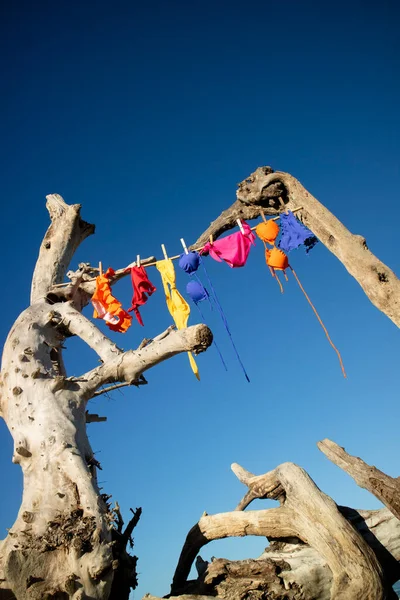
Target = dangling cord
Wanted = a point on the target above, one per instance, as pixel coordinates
(214, 342)
(215, 297)
(320, 321)
(278, 280)
(201, 283)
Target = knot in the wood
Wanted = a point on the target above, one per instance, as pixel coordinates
(17, 391)
(204, 339)
(27, 516)
(22, 451)
(262, 188)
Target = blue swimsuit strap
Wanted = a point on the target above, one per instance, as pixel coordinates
(215, 297)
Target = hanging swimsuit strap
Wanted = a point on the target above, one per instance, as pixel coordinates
(320, 321)
(225, 322)
(198, 293)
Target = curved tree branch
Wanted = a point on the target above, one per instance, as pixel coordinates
(264, 187)
(273, 522)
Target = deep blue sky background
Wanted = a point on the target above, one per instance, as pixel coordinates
(149, 114)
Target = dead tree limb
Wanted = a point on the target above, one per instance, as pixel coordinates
(128, 366)
(66, 232)
(385, 488)
(67, 318)
(261, 192)
(305, 513)
(61, 544)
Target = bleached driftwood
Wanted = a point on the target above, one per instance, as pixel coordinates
(318, 550)
(63, 541)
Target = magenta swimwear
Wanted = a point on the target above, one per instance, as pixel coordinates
(233, 249)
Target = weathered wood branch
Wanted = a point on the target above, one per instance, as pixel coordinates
(273, 522)
(306, 513)
(66, 232)
(129, 366)
(70, 321)
(289, 569)
(264, 187)
(62, 543)
(384, 487)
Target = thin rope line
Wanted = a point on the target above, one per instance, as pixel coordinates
(320, 321)
(153, 264)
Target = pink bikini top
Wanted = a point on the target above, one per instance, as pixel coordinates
(233, 249)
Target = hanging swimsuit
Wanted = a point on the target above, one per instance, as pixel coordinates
(107, 307)
(277, 260)
(190, 263)
(142, 289)
(294, 234)
(233, 249)
(177, 305)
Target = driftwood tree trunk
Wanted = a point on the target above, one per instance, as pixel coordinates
(67, 542)
(64, 543)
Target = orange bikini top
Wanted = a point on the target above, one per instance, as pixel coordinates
(277, 260)
(107, 307)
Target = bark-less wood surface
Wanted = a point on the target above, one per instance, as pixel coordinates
(356, 569)
(63, 543)
(67, 542)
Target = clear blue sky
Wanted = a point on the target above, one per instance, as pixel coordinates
(149, 114)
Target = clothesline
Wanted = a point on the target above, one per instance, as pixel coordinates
(233, 249)
(153, 263)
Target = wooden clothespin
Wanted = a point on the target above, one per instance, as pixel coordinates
(263, 216)
(184, 246)
(138, 260)
(211, 239)
(283, 205)
(100, 268)
(239, 222)
(164, 251)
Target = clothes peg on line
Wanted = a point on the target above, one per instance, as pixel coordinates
(283, 205)
(100, 268)
(239, 222)
(211, 239)
(263, 216)
(138, 260)
(164, 251)
(184, 246)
